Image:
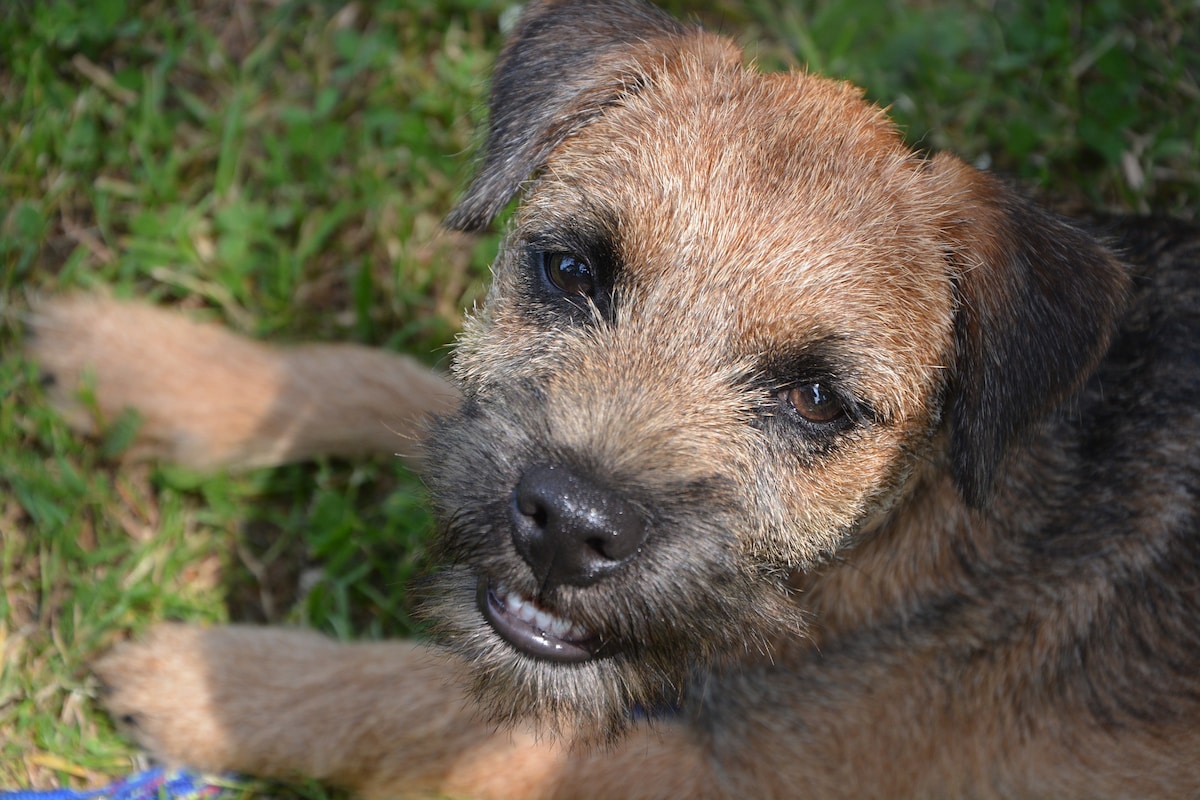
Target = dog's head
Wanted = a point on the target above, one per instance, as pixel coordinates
(733, 318)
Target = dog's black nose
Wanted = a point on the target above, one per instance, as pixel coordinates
(571, 531)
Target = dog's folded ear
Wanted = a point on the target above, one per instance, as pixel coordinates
(1038, 301)
(562, 65)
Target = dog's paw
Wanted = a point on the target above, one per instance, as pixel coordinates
(162, 692)
(200, 393)
(263, 701)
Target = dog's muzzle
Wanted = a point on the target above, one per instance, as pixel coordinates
(570, 532)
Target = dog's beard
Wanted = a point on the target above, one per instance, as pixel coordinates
(645, 670)
(589, 700)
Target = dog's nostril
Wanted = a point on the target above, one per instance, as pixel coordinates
(531, 505)
(570, 530)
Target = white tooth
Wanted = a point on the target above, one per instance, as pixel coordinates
(516, 606)
(528, 613)
(543, 620)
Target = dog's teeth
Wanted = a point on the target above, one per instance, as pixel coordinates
(575, 632)
(544, 621)
(511, 600)
(516, 606)
(524, 610)
(558, 628)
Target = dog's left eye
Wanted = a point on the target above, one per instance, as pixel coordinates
(814, 402)
(569, 274)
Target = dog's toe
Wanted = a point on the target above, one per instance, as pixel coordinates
(160, 692)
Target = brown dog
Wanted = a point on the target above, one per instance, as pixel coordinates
(789, 463)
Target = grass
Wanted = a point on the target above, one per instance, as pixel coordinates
(282, 167)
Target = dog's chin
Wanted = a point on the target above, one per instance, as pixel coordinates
(568, 678)
(531, 667)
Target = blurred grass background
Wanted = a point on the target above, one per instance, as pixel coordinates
(282, 165)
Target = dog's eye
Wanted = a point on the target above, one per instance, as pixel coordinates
(569, 274)
(813, 402)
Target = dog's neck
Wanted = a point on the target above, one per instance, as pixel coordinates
(877, 579)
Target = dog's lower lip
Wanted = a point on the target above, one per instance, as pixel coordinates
(527, 637)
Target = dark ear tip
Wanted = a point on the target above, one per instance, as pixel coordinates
(979, 438)
(467, 218)
(974, 485)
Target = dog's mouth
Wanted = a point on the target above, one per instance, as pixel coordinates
(534, 630)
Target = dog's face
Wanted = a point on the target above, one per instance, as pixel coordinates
(726, 328)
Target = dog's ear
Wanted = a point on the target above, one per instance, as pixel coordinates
(1038, 300)
(565, 62)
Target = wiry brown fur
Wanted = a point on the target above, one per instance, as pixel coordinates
(981, 580)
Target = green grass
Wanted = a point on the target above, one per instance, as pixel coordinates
(282, 168)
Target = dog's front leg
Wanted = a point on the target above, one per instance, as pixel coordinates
(382, 719)
(208, 398)
(277, 702)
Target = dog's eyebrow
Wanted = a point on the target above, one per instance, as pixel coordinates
(822, 357)
(577, 214)
(577, 238)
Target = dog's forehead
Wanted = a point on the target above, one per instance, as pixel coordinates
(783, 191)
(719, 163)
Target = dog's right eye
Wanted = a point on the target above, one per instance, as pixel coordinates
(814, 402)
(569, 274)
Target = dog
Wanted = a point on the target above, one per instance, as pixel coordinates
(781, 461)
